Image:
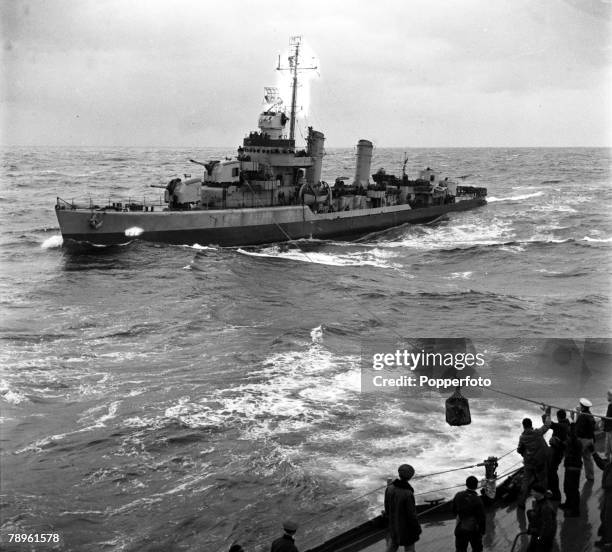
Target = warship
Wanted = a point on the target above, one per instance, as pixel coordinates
(271, 192)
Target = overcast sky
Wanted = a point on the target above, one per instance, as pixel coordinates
(429, 73)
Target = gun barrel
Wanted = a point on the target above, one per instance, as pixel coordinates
(197, 162)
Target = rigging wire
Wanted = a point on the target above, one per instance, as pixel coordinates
(542, 403)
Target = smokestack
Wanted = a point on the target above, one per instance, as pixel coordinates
(364, 160)
(315, 150)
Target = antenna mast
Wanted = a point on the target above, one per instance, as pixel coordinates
(294, 54)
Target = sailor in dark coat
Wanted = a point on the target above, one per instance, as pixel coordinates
(286, 542)
(571, 479)
(534, 450)
(400, 509)
(471, 521)
(542, 522)
(605, 529)
(557, 444)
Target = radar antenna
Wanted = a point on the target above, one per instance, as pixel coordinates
(272, 97)
(294, 67)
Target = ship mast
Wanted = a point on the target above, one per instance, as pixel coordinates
(294, 67)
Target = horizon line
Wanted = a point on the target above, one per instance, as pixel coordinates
(107, 146)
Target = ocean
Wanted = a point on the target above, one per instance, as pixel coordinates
(160, 397)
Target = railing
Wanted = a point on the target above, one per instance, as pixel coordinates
(129, 204)
(473, 191)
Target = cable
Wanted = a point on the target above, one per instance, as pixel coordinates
(504, 455)
(541, 403)
(448, 471)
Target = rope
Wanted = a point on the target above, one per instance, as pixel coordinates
(541, 403)
(448, 471)
(504, 455)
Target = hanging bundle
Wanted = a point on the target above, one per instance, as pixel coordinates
(458, 409)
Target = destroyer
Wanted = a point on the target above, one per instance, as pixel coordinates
(271, 192)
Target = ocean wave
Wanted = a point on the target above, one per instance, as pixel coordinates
(10, 395)
(377, 258)
(594, 299)
(461, 275)
(53, 242)
(109, 412)
(567, 274)
(455, 236)
(597, 240)
(195, 415)
(553, 208)
(199, 247)
(491, 199)
(290, 392)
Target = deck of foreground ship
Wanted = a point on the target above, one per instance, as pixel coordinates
(503, 524)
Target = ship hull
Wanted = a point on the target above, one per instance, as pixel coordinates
(239, 227)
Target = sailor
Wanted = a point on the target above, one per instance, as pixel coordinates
(286, 543)
(542, 521)
(605, 529)
(400, 510)
(585, 431)
(571, 479)
(607, 428)
(534, 450)
(557, 448)
(471, 521)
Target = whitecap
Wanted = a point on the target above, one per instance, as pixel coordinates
(10, 395)
(597, 240)
(201, 247)
(133, 232)
(316, 334)
(454, 236)
(462, 275)
(373, 257)
(53, 242)
(491, 199)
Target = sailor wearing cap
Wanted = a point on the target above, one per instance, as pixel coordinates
(400, 509)
(286, 543)
(585, 431)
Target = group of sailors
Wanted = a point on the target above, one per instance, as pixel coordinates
(572, 442)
